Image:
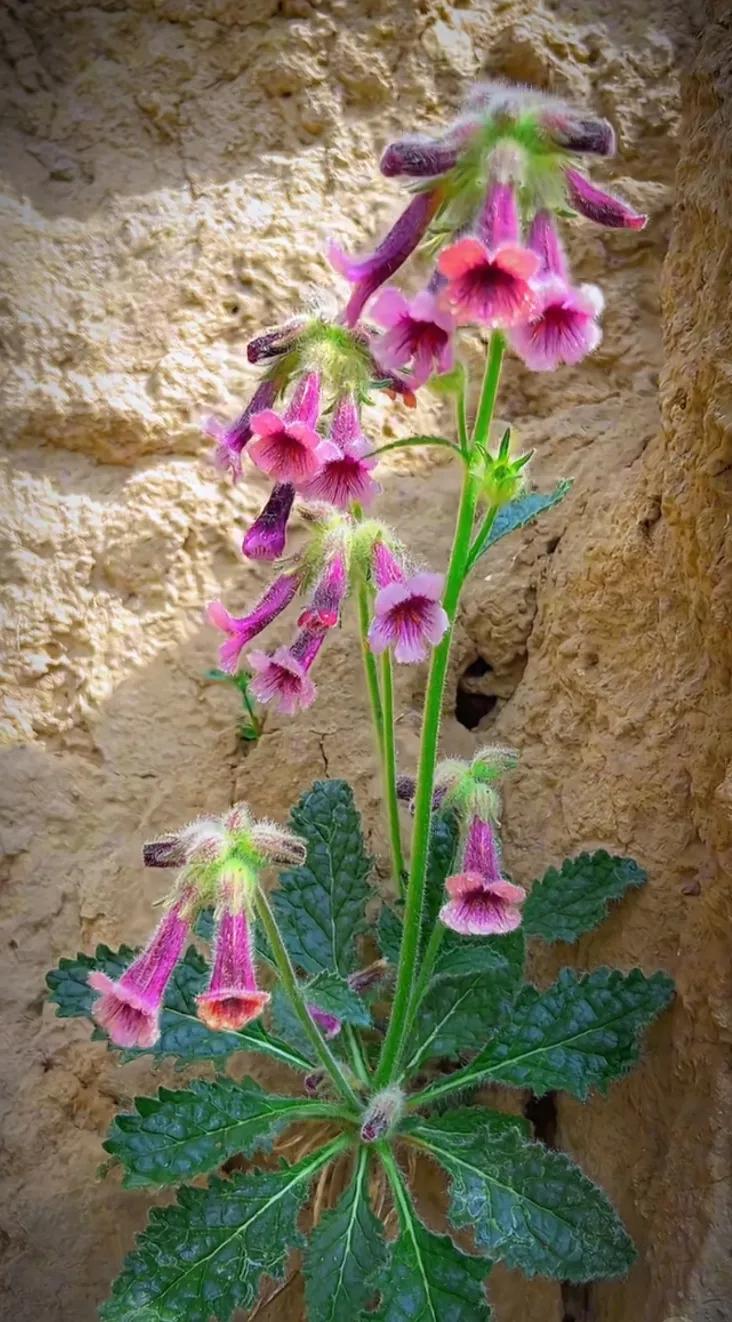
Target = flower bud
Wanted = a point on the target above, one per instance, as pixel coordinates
(382, 1114)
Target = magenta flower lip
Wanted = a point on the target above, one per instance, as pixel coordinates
(230, 1007)
(408, 617)
(345, 476)
(129, 1009)
(123, 1013)
(482, 902)
(283, 678)
(563, 327)
(241, 630)
(287, 451)
(491, 288)
(419, 331)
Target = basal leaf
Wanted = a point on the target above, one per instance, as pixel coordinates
(429, 1279)
(320, 906)
(466, 1120)
(440, 859)
(177, 1135)
(574, 898)
(204, 1256)
(344, 1252)
(462, 955)
(579, 1034)
(522, 510)
(182, 1034)
(526, 1204)
(456, 1013)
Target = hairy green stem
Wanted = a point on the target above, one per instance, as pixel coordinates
(390, 770)
(426, 966)
(355, 1049)
(292, 988)
(396, 1033)
(482, 536)
(369, 665)
(401, 1197)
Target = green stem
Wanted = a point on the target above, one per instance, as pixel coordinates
(482, 536)
(369, 665)
(462, 423)
(396, 1032)
(292, 988)
(394, 1176)
(425, 971)
(356, 1052)
(390, 770)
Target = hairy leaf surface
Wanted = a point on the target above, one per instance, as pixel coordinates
(429, 1279)
(522, 510)
(574, 898)
(344, 1252)
(320, 906)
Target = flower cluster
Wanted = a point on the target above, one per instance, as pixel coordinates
(221, 860)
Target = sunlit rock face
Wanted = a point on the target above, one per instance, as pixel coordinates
(171, 175)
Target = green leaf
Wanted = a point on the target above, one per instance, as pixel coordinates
(522, 510)
(578, 1035)
(182, 1034)
(331, 993)
(466, 1120)
(429, 1279)
(530, 1206)
(343, 1253)
(455, 1012)
(205, 1255)
(320, 906)
(574, 898)
(389, 933)
(462, 955)
(177, 1135)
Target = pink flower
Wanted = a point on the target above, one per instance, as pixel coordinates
(418, 331)
(324, 611)
(283, 677)
(231, 441)
(563, 326)
(345, 477)
(489, 275)
(604, 208)
(241, 630)
(368, 273)
(129, 1009)
(482, 902)
(266, 538)
(233, 998)
(289, 448)
(407, 611)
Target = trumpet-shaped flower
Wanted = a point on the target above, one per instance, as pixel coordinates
(232, 998)
(240, 630)
(418, 331)
(408, 616)
(232, 440)
(283, 678)
(368, 273)
(266, 538)
(489, 275)
(129, 1008)
(324, 611)
(563, 325)
(345, 476)
(288, 447)
(482, 902)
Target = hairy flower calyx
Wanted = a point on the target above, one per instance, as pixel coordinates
(382, 1114)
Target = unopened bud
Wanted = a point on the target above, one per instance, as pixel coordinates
(382, 1114)
(580, 134)
(364, 980)
(277, 845)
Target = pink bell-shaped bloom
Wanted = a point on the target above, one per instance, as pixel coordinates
(345, 477)
(482, 902)
(231, 441)
(232, 998)
(240, 630)
(604, 208)
(563, 326)
(408, 615)
(368, 273)
(288, 447)
(329, 1024)
(324, 610)
(283, 678)
(419, 332)
(489, 275)
(266, 538)
(129, 1009)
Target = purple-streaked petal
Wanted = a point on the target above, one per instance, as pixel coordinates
(499, 222)
(389, 307)
(305, 403)
(577, 134)
(386, 567)
(543, 239)
(265, 540)
(372, 271)
(427, 584)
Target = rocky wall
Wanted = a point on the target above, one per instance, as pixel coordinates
(171, 172)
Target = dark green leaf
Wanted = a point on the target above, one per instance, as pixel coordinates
(466, 1120)
(522, 510)
(176, 1135)
(574, 898)
(530, 1206)
(462, 955)
(456, 1013)
(182, 1034)
(429, 1279)
(205, 1255)
(331, 993)
(320, 906)
(344, 1251)
(578, 1035)
(390, 934)
(440, 859)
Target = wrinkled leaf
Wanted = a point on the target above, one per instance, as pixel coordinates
(320, 906)
(456, 1013)
(331, 993)
(574, 898)
(526, 1204)
(429, 1279)
(522, 510)
(345, 1250)
(177, 1135)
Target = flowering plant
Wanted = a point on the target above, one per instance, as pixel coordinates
(384, 1031)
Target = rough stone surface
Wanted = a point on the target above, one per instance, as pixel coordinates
(171, 173)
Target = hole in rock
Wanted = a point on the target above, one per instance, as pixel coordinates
(472, 704)
(552, 545)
